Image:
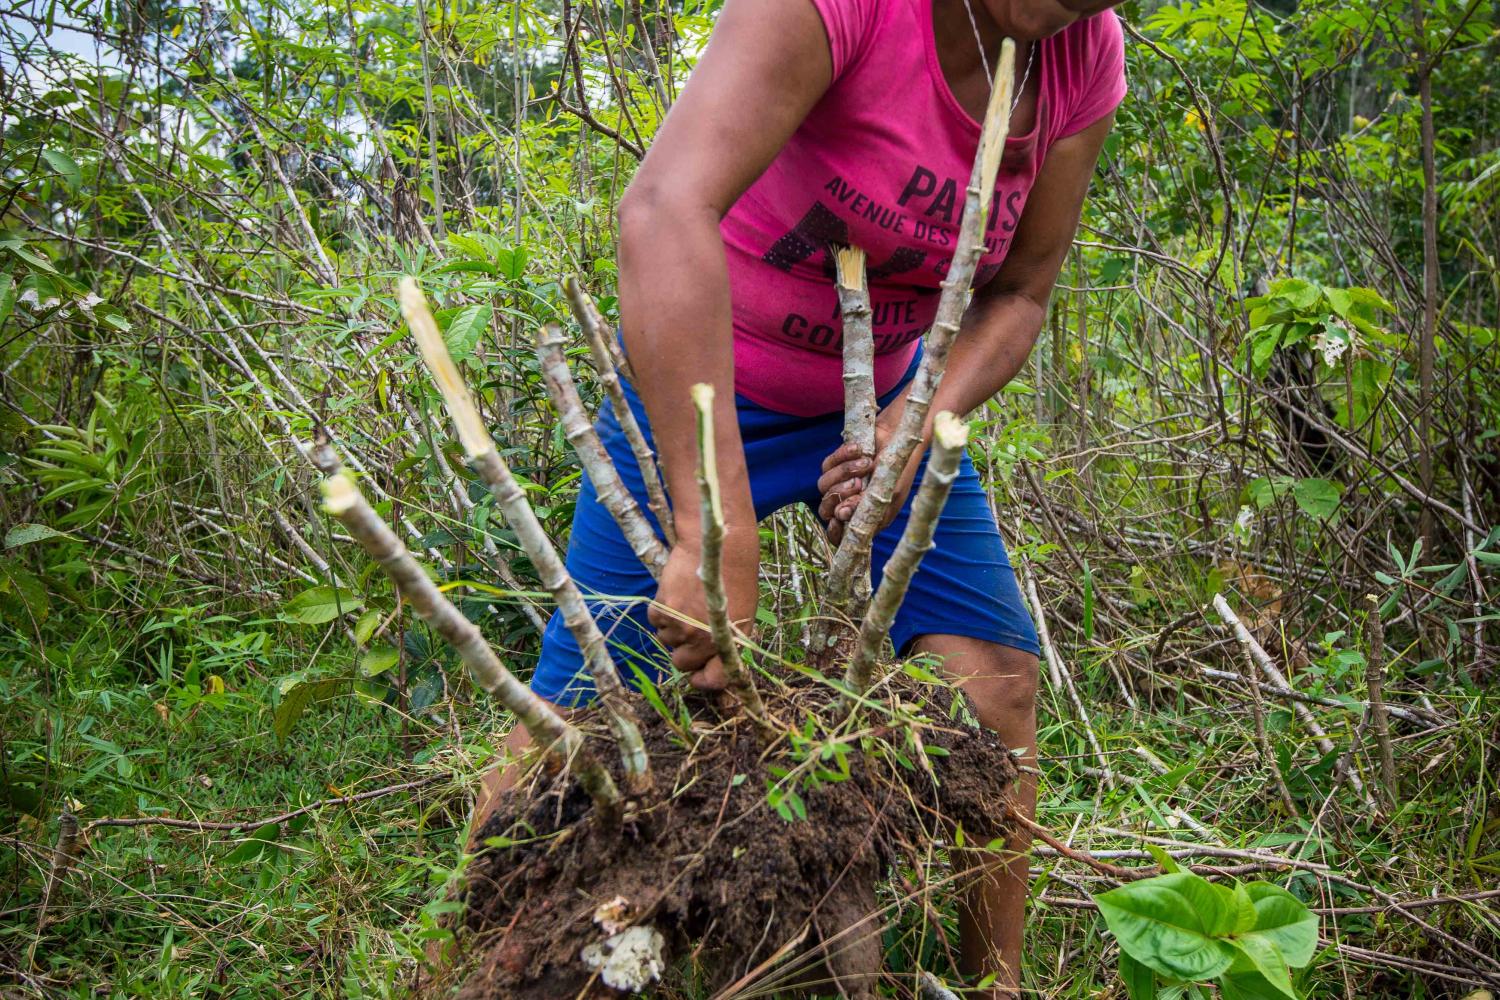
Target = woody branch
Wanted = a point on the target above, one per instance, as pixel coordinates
(485, 460)
(949, 435)
(608, 362)
(591, 454)
(560, 740)
(710, 567)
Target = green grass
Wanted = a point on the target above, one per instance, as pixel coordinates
(128, 720)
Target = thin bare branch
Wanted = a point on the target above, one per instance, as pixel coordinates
(485, 460)
(711, 570)
(591, 454)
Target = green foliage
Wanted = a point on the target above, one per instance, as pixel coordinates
(182, 635)
(1178, 929)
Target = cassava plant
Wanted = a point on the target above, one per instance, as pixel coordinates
(641, 804)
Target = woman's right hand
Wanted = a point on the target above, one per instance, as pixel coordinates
(680, 603)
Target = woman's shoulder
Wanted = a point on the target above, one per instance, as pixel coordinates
(853, 26)
(1099, 38)
(1088, 71)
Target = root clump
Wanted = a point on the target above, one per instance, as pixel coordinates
(712, 865)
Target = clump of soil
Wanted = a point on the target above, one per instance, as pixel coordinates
(712, 865)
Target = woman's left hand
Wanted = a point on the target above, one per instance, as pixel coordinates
(846, 474)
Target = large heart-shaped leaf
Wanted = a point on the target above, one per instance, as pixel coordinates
(1268, 961)
(1285, 921)
(1174, 924)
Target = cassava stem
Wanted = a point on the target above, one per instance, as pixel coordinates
(710, 566)
(485, 460)
(604, 350)
(860, 402)
(591, 454)
(859, 350)
(854, 550)
(344, 501)
(949, 435)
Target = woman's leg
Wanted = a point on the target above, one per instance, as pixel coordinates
(1002, 682)
(963, 605)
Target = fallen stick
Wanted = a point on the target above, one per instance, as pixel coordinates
(225, 826)
(1263, 740)
(933, 988)
(64, 853)
(1059, 674)
(485, 460)
(1262, 659)
(591, 454)
(1414, 716)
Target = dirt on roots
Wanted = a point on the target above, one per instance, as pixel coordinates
(712, 865)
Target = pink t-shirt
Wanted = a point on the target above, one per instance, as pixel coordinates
(881, 162)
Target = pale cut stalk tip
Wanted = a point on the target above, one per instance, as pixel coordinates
(851, 267)
(950, 431)
(339, 494)
(472, 433)
(996, 124)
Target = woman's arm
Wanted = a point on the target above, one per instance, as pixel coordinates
(766, 66)
(1002, 321)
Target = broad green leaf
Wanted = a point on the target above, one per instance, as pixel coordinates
(253, 846)
(1285, 920)
(1140, 981)
(1245, 915)
(427, 691)
(1172, 923)
(1300, 295)
(1247, 986)
(465, 329)
(299, 697)
(1317, 497)
(25, 534)
(1264, 492)
(511, 262)
(1268, 961)
(65, 167)
(23, 597)
(320, 605)
(378, 660)
(1168, 863)
(1265, 342)
(365, 627)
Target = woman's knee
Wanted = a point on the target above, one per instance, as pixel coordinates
(1000, 680)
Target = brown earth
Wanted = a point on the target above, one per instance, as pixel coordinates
(713, 866)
